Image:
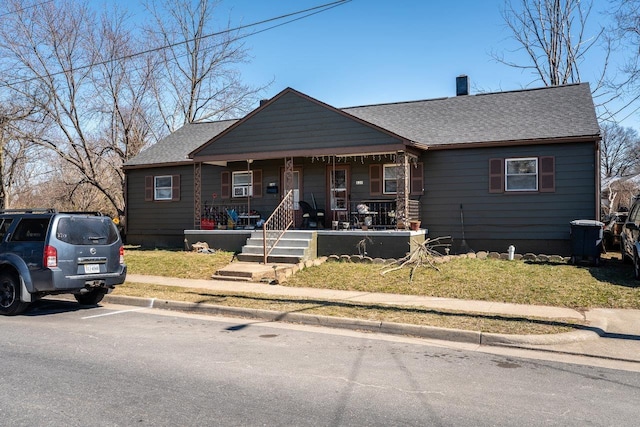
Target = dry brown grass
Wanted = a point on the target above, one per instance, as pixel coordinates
(375, 312)
(557, 284)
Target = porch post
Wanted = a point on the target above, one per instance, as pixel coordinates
(288, 175)
(197, 194)
(288, 180)
(402, 188)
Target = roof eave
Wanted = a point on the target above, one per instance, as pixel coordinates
(157, 165)
(518, 142)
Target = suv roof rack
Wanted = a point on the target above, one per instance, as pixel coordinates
(32, 210)
(96, 213)
(49, 211)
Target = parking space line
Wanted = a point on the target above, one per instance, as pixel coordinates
(113, 312)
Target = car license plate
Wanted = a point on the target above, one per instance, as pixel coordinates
(91, 268)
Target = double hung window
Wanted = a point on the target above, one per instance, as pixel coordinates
(242, 184)
(390, 179)
(162, 187)
(521, 174)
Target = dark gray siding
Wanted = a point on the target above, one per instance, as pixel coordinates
(158, 223)
(293, 122)
(211, 183)
(491, 221)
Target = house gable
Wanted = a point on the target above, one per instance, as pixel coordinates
(293, 124)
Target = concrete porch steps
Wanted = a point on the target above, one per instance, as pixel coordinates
(294, 246)
(252, 272)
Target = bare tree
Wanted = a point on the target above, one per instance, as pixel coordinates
(625, 35)
(199, 79)
(620, 151)
(90, 97)
(99, 92)
(15, 151)
(552, 34)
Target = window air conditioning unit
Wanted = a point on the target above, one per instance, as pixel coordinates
(241, 192)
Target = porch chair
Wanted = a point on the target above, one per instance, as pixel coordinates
(311, 218)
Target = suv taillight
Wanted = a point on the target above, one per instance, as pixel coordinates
(50, 257)
(121, 254)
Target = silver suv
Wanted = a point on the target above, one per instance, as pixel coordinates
(630, 238)
(45, 252)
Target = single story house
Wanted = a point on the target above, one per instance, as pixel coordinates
(490, 170)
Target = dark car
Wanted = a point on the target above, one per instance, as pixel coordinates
(613, 228)
(630, 238)
(45, 252)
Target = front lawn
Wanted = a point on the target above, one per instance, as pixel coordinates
(580, 287)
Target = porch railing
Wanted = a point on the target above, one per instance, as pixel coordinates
(373, 214)
(378, 214)
(277, 224)
(227, 215)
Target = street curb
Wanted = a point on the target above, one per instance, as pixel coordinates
(586, 334)
(431, 332)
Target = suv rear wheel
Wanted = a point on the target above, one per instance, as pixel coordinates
(636, 265)
(10, 303)
(92, 297)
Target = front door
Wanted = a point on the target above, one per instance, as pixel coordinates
(338, 192)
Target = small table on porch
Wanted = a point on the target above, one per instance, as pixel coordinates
(245, 220)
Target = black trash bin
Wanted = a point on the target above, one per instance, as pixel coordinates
(586, 240)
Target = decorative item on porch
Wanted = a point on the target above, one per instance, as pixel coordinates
(232, 219)
(207, 224)
(362, 208)
(414, 224)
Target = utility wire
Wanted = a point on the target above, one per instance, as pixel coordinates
(24, 8)
(330, 6)
(315, 10)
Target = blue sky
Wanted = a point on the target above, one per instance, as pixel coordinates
(376, 51)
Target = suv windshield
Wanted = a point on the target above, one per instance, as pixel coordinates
(86, 231)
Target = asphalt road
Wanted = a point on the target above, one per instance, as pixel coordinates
(125, 366)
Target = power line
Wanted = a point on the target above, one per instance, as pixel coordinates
(25, 8)
(314, 10)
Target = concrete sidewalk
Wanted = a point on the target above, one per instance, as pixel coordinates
(611, 334)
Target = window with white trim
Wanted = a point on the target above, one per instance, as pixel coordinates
(521, 174)
(390, 179)
(162, 186)
(242, 184)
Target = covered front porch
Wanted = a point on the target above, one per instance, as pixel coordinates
(375, 191)
(385, 244)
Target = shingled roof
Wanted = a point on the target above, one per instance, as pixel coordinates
(176, 147)
(544, 114)
(534, 114)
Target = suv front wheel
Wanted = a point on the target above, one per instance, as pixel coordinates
(10, 303)
(636, 265)
(92, 297)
